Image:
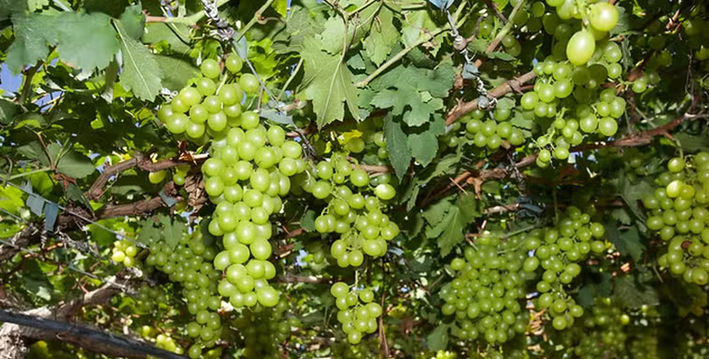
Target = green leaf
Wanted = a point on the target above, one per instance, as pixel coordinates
(281, 7)
(382, 37)
(141, 72)
(9, 7)
(627, 242)
(436, 212)
(307, 221)
(689, 143)
(133, 21)
(417, 26)
(173, 231)
(424, 145)
(176, 72)
(329, 84)
(8, 110)
(623, 24)
(156, 33)
(32, 33)
(501, 56)
(478, 45)
(34, 5)
(149, 232)
(438, 338)
(11, 199)
(633, 294)
(86, 40)
(333, 35)
(397, 145)
(75, 165)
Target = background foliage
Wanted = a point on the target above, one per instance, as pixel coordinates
(533, 184)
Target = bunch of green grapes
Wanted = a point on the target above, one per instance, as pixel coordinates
(149, 297)
(358, 312)
(165, 341)
(264, 329)
(678, 213)
(205, 109)
(558, 250)
(643, 344)
(486, 292)
(444, 354)
(124, 252)
(487, 129)
(358, 219)
(570, 99)
(368, 348)
(529, 19)
(190, 264)
(246, 177)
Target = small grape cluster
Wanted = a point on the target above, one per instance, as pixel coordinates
(165, 341)
(149, 297)
(600, 333)
(679, 215)
(264, 329)
(444, 354)
(486, 292)
(558, 250)
(366, 349)
(358, 312)
(363, 227)
(488, 133)
(124, 252)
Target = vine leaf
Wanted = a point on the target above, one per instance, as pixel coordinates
(173, 230)
(86, 40)
(424, 145)
(133, 21)
(70, 162)
(8, 110)
(633, 294)
(449, 231)
(382, 37)
(141, 72)
(329, 84)
(438, 339)
(627, 242)
(175, 72)
(32, 33)
(397, 145)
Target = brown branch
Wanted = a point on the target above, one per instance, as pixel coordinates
(512, 85)
(139, 207)
(495, 10)
(145, 164)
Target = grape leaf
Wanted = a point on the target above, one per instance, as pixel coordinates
(75, 165)
(501, 56)
(436, 212)
(34, 5)
(627, 242)
(397, 145)
(175, 72)
(173, 229)
(9, 7)
(438, 338)
(307, 221)
(86, 40)
(141, 72)
(333, 35)
(424, 145)
(633, 294)
(149, 233)
(8, 110)
(133, 21)
(417, 26)
(32, 33)
(329, 84)
(382, 37)
(281, 7)
(155, 33)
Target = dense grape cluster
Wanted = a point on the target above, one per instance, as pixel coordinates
(264, 329)
(246, 178)
(190, 264)
(569, 98)
(600, 333)
(486, 292)
(678, 213)
(358, 312)
(358, 219)
(558, 250)
(246, 175)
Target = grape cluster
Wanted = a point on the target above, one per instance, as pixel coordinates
(678, 213)
(600, 333)
(358, 219)
(264, 329)
(366, 349)
(149, 297)
(569, 98)
(246, 177)
(165, 341)
(486, 292)
(124, 252)
(189, 263)
(488, 133)
(558, 250)
(444, 354)
(358, 312)
(204, 109)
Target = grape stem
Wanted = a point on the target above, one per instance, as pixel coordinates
(187, 20)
